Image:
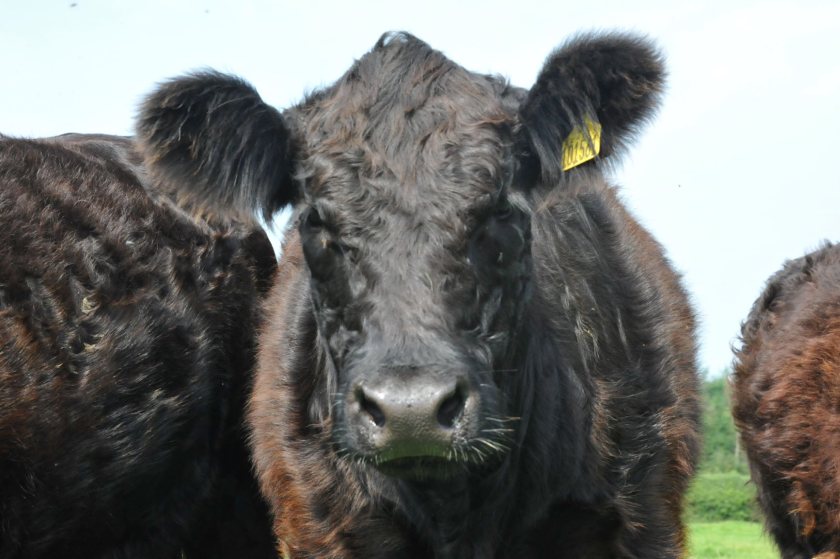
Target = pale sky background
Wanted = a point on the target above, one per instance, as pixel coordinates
(737, 174)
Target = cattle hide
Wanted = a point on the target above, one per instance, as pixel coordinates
(786, 389)
(126, 351)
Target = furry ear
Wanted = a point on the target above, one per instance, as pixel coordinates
(211, 137)
(614, 80)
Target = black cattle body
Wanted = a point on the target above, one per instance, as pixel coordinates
(127, 349)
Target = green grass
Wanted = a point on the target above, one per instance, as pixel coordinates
(730, 539)
(715, 497)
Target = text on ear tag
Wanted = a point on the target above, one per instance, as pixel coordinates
(580, 147)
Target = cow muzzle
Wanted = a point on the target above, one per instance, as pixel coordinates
(413, 425)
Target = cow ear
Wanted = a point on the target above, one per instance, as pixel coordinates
(592, 95)
(211, 137)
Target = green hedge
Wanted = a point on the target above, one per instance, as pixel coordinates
(722, 496)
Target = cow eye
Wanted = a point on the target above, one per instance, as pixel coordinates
(504, 210)
(498, 243)
(313, 220)
(321, 249)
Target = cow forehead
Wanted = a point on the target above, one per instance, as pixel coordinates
(407, 131)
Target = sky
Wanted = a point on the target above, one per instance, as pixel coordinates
(736, 174)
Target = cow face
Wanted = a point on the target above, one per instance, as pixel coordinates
(417, 314)
(413, 181)
(418, 246)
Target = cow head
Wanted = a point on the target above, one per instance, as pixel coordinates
(412, 180)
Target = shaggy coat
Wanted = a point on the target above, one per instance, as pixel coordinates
(472, 350)
(786, 388)
(126, 349)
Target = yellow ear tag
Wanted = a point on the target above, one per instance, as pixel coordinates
(578, 147)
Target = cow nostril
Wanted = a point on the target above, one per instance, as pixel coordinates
(371, 408)
(451, 408)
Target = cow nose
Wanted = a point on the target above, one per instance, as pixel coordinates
(416, 418)
(442, 406)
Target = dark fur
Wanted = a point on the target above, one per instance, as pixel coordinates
(212, 148)
(786, 390)
(126, 347)
(428, 246)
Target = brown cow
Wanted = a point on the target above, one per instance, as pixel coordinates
(786, 401)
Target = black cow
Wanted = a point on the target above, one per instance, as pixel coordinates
(472, 349)
(126, 353)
